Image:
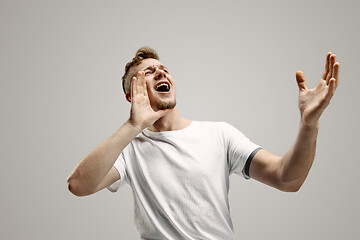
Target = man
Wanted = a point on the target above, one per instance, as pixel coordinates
(179, 169)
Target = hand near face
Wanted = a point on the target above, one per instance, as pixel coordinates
(142, 114)
(312, 102)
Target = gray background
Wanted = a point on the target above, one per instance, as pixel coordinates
(234, 61)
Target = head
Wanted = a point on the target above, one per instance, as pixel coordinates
(160, 84)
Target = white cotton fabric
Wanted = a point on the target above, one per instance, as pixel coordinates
(180, 180)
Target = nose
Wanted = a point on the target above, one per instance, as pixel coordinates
(159, 74)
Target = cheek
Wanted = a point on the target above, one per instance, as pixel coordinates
(172, 81)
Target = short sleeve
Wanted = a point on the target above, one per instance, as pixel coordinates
(121, 168)
(239, 149)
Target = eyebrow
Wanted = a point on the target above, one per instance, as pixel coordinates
(153, 66)
(150, 68)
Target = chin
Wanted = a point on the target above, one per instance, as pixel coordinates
(162, 105)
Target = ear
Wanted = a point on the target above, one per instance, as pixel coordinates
(128, 96)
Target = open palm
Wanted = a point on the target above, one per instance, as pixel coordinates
(142, 114)
(312, 102)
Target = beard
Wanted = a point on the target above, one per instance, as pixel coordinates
(162, 105)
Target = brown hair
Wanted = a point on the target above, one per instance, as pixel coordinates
(141, 54)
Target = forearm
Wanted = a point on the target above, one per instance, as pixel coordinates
(296, 163)
(93, 168)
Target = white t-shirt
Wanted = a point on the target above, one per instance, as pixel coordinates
(180, 179)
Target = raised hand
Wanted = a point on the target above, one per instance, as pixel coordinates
(312, 102)
(142, 114)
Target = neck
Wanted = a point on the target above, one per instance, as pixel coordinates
(170, 122)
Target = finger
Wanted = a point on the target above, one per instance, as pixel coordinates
(326, 66)
(300, 79)
(331, 90)
(139, 82)
(336, 73)
(140, 74)
(142, 83)
(331, 68)
(133, 87)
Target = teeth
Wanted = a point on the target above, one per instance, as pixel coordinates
(162, 84)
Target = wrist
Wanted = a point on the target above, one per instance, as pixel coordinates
(137, 128)
(309, 125)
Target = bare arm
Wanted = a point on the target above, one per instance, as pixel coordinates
(289, 172)
(95, 171)
(90, 172)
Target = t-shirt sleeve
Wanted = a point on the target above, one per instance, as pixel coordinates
(240, 149)
(121, 168)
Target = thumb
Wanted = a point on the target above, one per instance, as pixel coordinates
(300, 79)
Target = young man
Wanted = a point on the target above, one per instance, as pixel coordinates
(179, 169)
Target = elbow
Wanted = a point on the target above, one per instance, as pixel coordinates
(290, 183)
(291, 186)
(76, 188)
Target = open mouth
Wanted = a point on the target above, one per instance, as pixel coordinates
(163, 87)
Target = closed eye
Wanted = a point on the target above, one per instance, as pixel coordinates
(149, 71)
